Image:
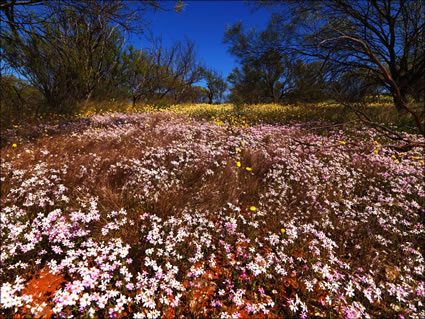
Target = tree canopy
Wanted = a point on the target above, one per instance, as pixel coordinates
(382, 40)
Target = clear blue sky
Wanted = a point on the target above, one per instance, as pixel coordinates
(204, 22)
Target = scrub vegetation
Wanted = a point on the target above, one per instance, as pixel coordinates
(142, 183)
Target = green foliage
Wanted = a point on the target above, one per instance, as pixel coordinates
(242, 115)
(83, 57)
(162, 75)
(363, 48)
(18, 100)
(216, 85)
(264, 72)
(268, 73)
(138, 74)
(309, 83)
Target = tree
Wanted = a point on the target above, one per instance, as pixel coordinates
(163, 73)
(265, 69)
(195, 94)
(183, 67)
(269, 71)
(355, 86)
(309, 83)
(84, 52)
(139, 74)
(17, 98)
(23, 17)
(246, 85)
(383, 38)
(216, 85)
(71, 49)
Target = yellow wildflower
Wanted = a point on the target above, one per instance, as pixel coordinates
(375, 151)
(238, 149)
(282, 230)
(238, 164)
(14, 145)
(393, 156)
(253, 208)
(112, 115)
(248, 169)
(341, 142)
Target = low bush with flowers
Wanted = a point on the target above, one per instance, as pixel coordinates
(160, 215)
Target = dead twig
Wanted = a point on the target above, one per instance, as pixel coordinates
(387, 132)
(405, 147)
(330, 126)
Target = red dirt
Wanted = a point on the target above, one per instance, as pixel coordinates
(42, 288)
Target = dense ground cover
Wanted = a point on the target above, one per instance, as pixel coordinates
(240, 115)
(160, 215)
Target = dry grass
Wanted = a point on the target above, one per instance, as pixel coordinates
(329, 189)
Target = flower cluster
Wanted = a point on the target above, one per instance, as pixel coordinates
(151, 215)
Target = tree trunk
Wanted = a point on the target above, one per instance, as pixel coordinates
(87, 97)
(399, 100)
(134, 99)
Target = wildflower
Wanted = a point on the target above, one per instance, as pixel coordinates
(85, 300)
(342, 142)
(375, 151)
(282, 230)
(102, 301)
(248, 169)
(14, 145)
(253, 208)
(238, 150)
(349, 290)
(292, 305)
(112, 115)
(238, 164)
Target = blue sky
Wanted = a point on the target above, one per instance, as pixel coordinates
(204, 22)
